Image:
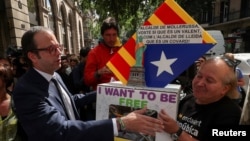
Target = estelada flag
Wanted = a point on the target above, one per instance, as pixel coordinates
(173, 42)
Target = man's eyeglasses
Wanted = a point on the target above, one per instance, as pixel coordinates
(51, 49)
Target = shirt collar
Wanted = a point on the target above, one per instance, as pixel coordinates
(47, 76)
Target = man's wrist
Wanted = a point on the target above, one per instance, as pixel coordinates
(120, 125)
(175, 136)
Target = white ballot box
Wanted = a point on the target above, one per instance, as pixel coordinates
(116, 100)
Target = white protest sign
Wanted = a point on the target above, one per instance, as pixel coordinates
(170, 34)
(112, 96)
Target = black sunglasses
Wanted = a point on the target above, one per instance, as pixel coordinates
(232, 63)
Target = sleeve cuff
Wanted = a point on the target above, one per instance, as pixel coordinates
(115, 127)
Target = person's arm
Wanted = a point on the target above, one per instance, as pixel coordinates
(171, 127)
(241, 81)
(186, 137)
(47, 117)
(90, 70)
(137, 122)
(84, 99)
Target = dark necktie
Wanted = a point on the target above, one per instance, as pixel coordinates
(65, 98)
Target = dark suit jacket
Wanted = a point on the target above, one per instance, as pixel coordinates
(43, 117)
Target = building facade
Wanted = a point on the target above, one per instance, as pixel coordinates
(62, 16)
(232, 17)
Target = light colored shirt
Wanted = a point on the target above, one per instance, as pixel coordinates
(48, 77)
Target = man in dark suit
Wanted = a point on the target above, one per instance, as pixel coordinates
(45, 115)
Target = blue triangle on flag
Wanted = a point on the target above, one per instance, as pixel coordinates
(165, 62)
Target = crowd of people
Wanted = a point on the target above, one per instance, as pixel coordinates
(54, 97)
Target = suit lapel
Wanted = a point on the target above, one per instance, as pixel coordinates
(43, 84)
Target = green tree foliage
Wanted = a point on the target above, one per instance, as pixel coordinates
(31, 6)
(195, 7)
(130, 14)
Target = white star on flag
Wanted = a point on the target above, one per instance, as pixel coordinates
(164, 64)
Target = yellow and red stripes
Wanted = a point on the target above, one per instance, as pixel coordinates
(168, 13)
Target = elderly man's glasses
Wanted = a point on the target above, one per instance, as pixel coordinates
(232, 63)
(51, 49)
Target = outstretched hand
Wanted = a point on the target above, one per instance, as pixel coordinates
(137, 122)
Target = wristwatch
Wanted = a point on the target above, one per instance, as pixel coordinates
(176, 135)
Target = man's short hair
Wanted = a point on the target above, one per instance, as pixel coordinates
(109, 23)
(28, 42)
